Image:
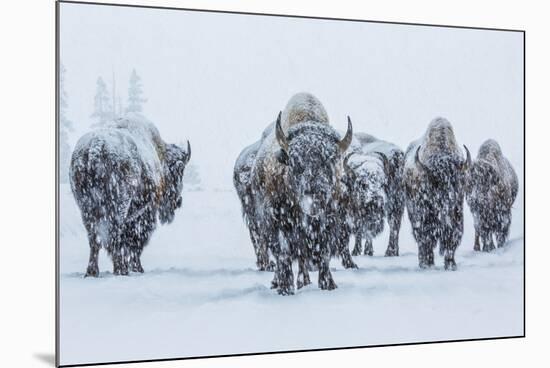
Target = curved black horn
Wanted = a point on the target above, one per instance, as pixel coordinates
(468, 162)
(346, 163)
(281, 138)
(385, 161)
(188, 152)
(418, 162)
(346, 141)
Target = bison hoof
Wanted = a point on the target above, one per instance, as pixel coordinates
(350, 264)
(302, 281)
(287, 290)
(137, 269)
(355, 252)
(120, 272)
(327, 284)
(92, 272)
(450, 265)
(369, 253)
(392, 253)
(425, 265)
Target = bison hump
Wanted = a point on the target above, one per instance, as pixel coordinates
(132, 140)
(303, 107)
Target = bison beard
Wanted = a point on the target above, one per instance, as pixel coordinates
(122, 177)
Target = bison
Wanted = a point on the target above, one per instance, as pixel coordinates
(491, 191)
(242, 183)
(373, 178)
(122, 177)
(296, 179)
(434, 177)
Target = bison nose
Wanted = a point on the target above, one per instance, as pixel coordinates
(178, 203)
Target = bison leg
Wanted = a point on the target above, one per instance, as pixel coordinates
(425, 254)
(394, 221)
(283, 279)
(93, 268)
(135, 260)
(303, 275)
(476, 242)
(504, 230)
(487, 240)
(285, 282)
(343, 246)
(449, 243)
(450, 263)
(260, 248)
(369, 251)
(358, 246)
(120, 261)
(347, 262)
(326, 282)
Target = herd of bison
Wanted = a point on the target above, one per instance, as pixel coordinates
(305, 189)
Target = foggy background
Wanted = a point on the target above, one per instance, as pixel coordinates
(219, 79)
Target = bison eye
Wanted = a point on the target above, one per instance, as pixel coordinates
(282, 157)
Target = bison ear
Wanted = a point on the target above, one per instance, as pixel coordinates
(282, 157)
(180, 167)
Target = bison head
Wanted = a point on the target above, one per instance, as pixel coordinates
(311, 151)
(175, 160)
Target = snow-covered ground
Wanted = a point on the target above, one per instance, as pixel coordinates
(201, 294)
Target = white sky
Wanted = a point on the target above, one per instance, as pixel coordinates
(219, 79)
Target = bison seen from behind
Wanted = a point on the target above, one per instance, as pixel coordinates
(122, 177)
(491, 191)
(434, 177)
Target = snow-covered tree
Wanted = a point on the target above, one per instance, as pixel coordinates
(65, 127)
(103, 110)
(135, 93)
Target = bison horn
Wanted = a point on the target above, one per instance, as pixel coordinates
(281, 138)
(188, 152)
(468, 162)
(385, 161)
(346, 142)
(346, 163)
(418, 162)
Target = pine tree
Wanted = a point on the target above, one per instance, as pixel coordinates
(103, 111)
(65, 127)
(135, 92)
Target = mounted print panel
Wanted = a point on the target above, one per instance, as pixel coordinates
(235, 183)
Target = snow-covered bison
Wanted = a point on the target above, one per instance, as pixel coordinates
(296, 178)
(123, 176)
(434, 176)
(490, 193)
(243, 185)
(373, 178)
